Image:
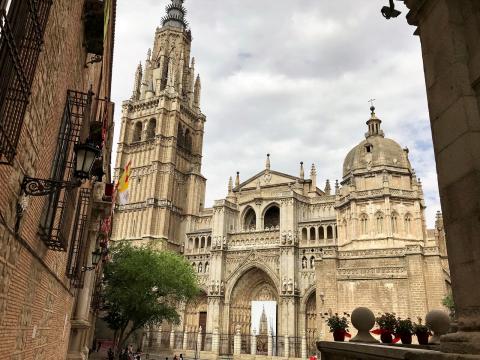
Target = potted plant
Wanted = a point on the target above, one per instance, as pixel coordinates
(422, 332)
(404, 330)
(387, 323)
(338, 326)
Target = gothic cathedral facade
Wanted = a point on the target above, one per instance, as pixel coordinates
(275, 237)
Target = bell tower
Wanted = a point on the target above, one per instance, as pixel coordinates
(162, 137)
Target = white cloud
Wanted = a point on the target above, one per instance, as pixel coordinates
(291, 78)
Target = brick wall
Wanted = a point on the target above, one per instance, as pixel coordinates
(35, 299)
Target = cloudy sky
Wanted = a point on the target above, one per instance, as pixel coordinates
(291, 78)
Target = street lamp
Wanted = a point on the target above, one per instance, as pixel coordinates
(85, 155)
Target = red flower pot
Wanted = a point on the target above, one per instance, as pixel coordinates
(339, 335)
(386, 337)
(406, 338)
(422, 338)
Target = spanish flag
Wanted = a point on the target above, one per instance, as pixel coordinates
(122, 185)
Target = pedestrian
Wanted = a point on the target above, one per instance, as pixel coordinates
(110, 354)
(181, 356)
(99, 346)
(175, 357)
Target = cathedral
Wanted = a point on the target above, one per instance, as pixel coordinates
(276, 238)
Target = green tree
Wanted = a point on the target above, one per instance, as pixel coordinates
(143, 287)
(447, 301)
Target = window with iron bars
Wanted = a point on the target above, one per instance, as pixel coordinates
(78, 254)
(22, 27)
(57, 216)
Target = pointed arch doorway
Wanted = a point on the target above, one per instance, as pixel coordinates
(254, 287)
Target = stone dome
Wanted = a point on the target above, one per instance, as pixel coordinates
(375, 151)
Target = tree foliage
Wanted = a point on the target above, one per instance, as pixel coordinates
(143, 287)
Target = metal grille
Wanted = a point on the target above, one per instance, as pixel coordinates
(22, 26)
(77, 255)
(56, 218)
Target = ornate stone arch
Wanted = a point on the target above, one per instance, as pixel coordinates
(266, 210)
(243, 218)
(310, 290)
(232, 280)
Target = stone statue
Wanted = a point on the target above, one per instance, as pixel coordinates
(284, 284)
(217, 287)
(290, 285)
(304, 263)
(222, 287)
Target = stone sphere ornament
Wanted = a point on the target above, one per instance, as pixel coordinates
(363, 320)
(439, 323)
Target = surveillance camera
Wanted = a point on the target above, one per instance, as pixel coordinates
(389, 12)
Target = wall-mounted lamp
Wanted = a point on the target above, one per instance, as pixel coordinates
(389, 12)
(96, 255)
(85, 155)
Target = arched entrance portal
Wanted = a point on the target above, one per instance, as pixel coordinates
(253, 285)
(311, 323)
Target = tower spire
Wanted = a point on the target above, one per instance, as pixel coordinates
(302, 171)
(267, 163)
(175, 15)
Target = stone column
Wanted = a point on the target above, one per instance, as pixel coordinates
(304, 347)
(269, 343)
(159, 337)
(199, 339)
(185, 339)
(453, 91)
(237, 341)
(253, 343)
(215, 341)
(287, 347)
(172, 339)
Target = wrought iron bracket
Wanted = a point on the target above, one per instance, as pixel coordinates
(94, 59)
(88, 268)
(42, 187)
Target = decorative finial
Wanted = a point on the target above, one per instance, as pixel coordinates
(372, 107)
(267, 163)
(328, 189)
(237, 179)
(373, 123)
(337, 186)
(302, 171)
(230, 185)
(149, 54)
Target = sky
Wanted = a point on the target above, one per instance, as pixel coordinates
(293, 79)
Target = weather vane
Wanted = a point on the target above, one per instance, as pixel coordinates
(371, 102)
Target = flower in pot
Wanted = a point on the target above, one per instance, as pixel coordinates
(386, 327)
(338, 326)
(422, 332)
(404, 330)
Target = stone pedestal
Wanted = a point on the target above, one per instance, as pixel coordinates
(237, 342)
(304, 347)
(172, 339)
(449, 31)
(215, 341)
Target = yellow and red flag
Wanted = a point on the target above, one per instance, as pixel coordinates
(122, 185)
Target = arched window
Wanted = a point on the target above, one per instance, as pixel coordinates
(207, 267)
(394, 221)
(379, 220)
(197, 243)
(200, 267)
(364, 224)
(151, 129)
(336, 232)
(329, 232)
(250, 220)
(304, 262)
(408, 224)
(345, 229)
(202, 242)
(312, 262)
(304, 234)
(272, 217)
(188, 140)
(137, 132)
(321, 233)
(312, 233)
(191, 243)
(180, 136)
(209, 242)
